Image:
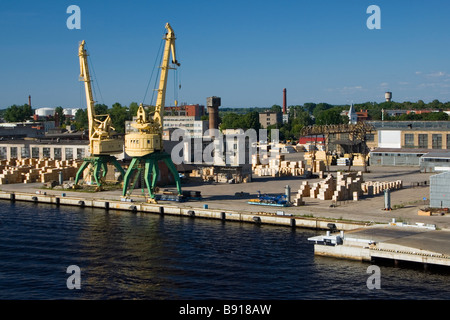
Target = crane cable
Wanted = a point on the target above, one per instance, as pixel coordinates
(95, 81)
(159, 55)
(177, 83)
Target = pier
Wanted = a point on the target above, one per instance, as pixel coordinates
(397, 242)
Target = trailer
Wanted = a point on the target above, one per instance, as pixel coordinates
(270, 200)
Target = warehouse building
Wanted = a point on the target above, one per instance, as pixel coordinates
(405, 142)
(440, 190)
(435, 162)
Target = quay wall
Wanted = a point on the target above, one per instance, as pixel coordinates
(171, 209)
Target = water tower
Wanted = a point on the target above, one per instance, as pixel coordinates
(388, 96)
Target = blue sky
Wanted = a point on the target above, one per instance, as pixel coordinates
(244, 51)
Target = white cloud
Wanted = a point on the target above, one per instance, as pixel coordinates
(436, 74)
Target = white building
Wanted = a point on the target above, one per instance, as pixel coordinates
(352, 115)
(193, 127)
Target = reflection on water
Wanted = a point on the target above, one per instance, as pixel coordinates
(141, 256)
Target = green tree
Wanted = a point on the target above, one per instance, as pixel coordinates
(132, 110)
(100, 109)
(276, 108)
(81, 119)
(331, 116)
(59, 116)
(231, 120)
(251, 121)
(17, 113)
(118, 116)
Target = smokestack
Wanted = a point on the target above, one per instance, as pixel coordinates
(29, 101)
(213, 103)
(284, 101)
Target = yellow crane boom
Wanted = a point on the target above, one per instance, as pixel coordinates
(161, 98)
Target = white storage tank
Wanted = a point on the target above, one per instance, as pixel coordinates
(44, 112)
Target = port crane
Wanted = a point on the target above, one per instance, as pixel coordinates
(102, 144)
(144, 141)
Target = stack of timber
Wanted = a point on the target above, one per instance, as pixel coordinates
(277, 166)
(36, 170)
(346, 186)
(319, 156)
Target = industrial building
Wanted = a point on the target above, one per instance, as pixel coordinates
(440, 190)
(269, 118)
(193, 126)
(20, 130)
(435, 162)
(405, 142)
(44, 149)
(189, 110)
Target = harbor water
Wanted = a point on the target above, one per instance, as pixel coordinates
(126, 255)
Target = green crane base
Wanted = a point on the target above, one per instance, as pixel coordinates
(99, 167)
(149, 165)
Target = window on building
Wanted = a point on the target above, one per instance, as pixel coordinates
(409, 140)
(46, 152)
(58, 155)
(3, 154)
(69, 153)
(13, 152)
(35, 152)
(25, 152)
(448, 141)
(423, 141)
(436, 141)
(80, 153)
(370, 137)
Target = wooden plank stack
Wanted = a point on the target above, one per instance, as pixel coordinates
(278, 167)
(31, 170)
(346, 186)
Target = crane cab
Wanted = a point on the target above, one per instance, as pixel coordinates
(139, 144)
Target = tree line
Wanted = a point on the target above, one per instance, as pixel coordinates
(248, 117)
(325, 114)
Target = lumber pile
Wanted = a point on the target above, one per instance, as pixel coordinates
(277, 167)
(346, 186)
(36, 170)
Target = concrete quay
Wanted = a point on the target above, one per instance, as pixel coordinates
(396, 242)
(259, 217)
